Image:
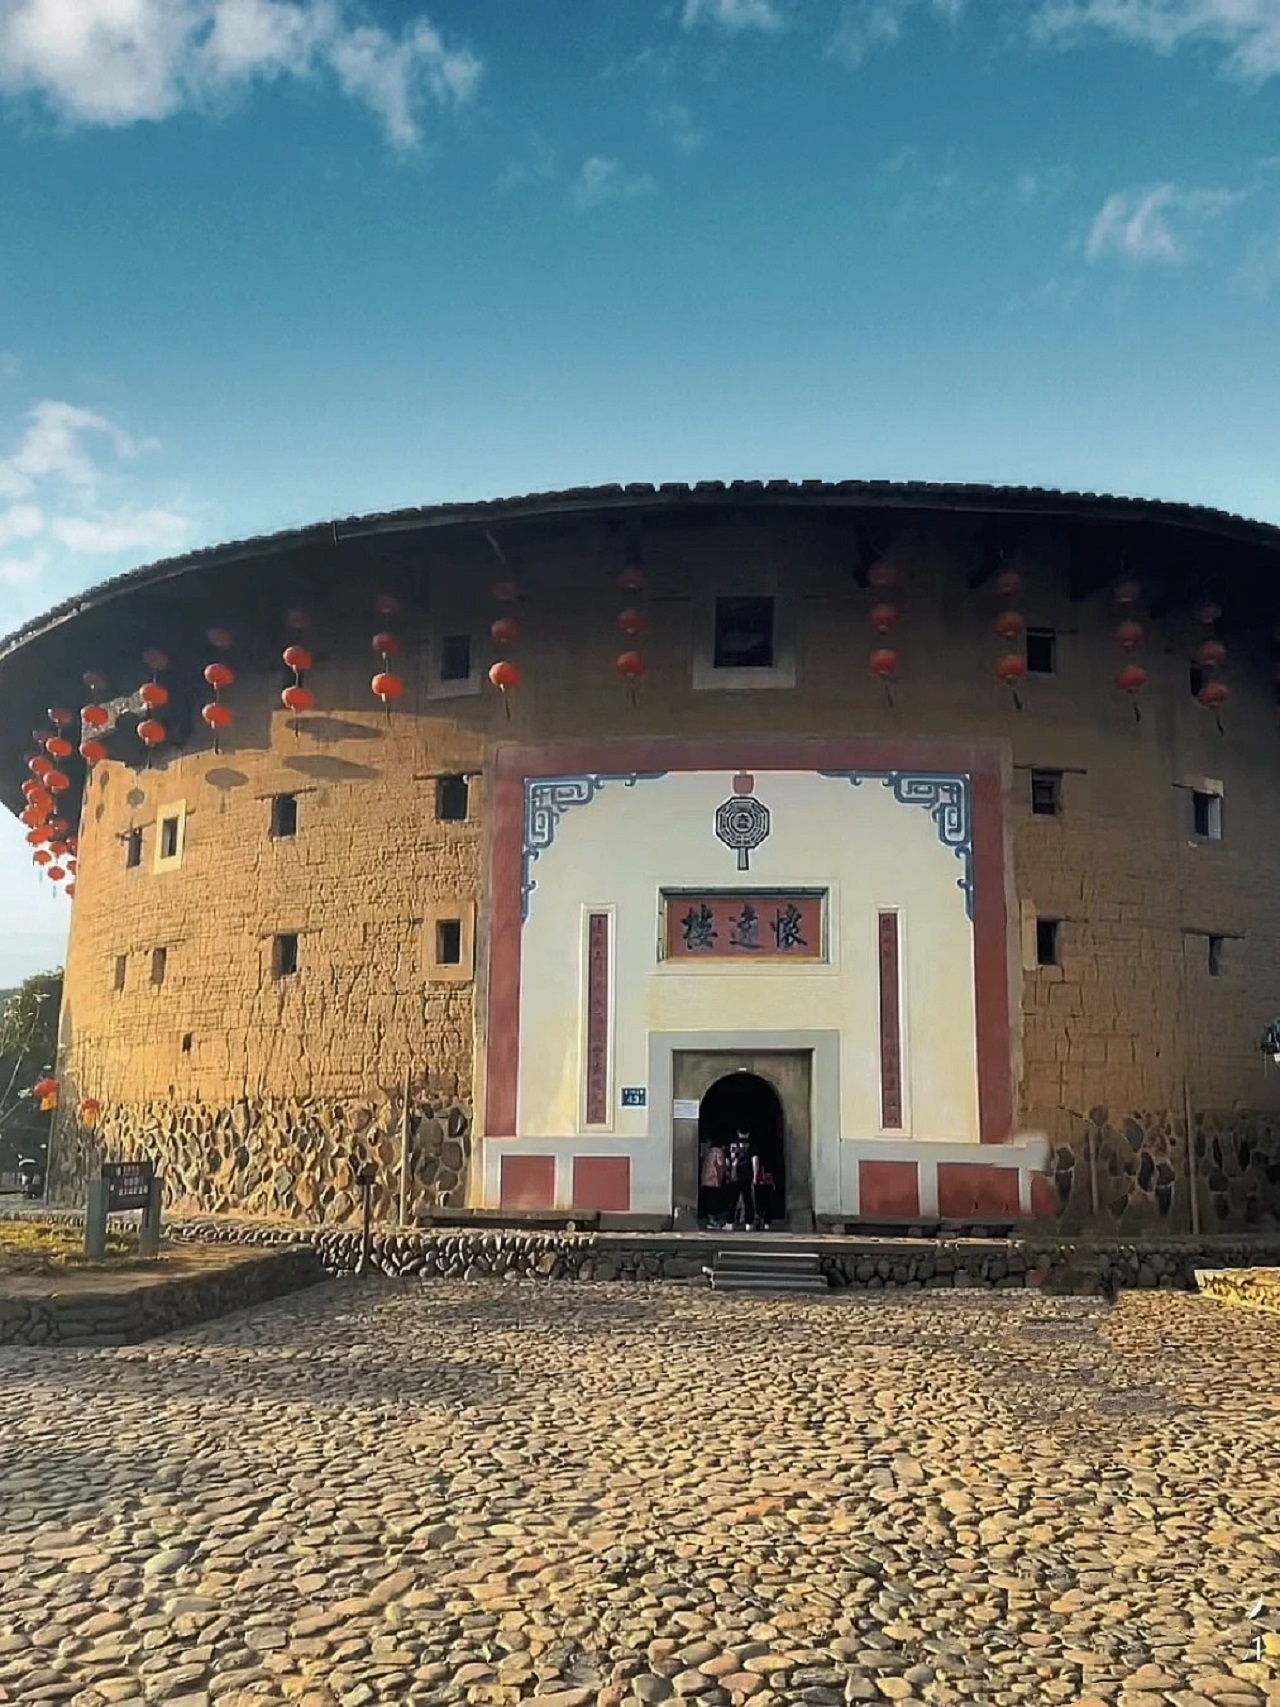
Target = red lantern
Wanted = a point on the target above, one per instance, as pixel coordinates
(59, 715)
(1008, 583)
(631, 665)
(151, 733)
(155, 660)
(1208, 614)
(36, 836)
(1011, 668)
(1131, 679)
(92, 752)
(32, 815)
(70, 861)
(1009, 624)
(386, 645)
(884, 663)
(153, 695)
(219, 676)
(506, 592)
(94, 716)
(387, 687)
(58, 747)
(883, 573)
(56, 781)
(95, 681)
(40, 764)
(631, 580)
(884, 618)
(32, 789)
(57, 849)
(1213, 695)
(217, 715)
(41, 856)
(504, 675)
(1129, 634)
(1127, 593)
(632, 622)
(73, 842)
(298, 698)
(89, 1110)
(298, 659)
(55, 874)
(1210, 654)
(505, 631)
(70, 891)
(44, 1089)
(387, 604)
(221, 638)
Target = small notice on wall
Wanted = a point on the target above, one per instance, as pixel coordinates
(683, 1110)
(634, 1096)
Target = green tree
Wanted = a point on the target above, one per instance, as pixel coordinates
(28, 1049)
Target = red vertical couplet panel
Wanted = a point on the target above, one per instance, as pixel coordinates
(890, 1025)
(597, 1099)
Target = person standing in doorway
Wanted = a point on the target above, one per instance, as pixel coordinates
(743, 1164)
(714, 1180)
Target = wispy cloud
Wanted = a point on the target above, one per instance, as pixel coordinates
(1155, 225)
(119, 62)
(63, 498)
(1247, 30)
(734, 15)
(603, 180)
(676, 123)
(863, 26)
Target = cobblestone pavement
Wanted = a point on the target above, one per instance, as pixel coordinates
(495, 1492)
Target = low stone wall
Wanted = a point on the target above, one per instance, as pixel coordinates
(872, 1264)
(117, 1313)
(1250, 1288)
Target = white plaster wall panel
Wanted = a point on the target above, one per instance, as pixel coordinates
(869, 849)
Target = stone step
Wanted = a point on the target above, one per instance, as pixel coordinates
(746, 1269)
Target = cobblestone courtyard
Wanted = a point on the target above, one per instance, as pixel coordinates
(492, 1492)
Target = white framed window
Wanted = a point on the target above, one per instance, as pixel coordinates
(453, 663)
(449, 941)
(171, 836)
(745, 637)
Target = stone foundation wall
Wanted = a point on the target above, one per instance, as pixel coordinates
(1141, 1170)
(123, 1316)
(1249, 1288)
(293, 1158)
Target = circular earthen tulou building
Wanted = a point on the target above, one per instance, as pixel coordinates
(918, 839)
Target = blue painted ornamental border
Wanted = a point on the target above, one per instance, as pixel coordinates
(945, 797)
(546, 800)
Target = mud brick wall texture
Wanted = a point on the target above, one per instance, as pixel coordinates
(260, 1092)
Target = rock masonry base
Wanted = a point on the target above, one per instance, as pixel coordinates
(1249, 1288)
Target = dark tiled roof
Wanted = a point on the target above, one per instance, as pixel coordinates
(886, 494)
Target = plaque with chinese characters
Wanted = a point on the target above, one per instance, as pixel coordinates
(744, 924)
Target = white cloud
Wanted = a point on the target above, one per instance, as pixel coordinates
(113, 531)
(19, 571)
(21, 521)
(117, 62)
(1248, 30)
(735, 14)
(602, 180)
(1158, 224)
(676, 123)
(865, 25)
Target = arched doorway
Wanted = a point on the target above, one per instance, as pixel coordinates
(742, 1107)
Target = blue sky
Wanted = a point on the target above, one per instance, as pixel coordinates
(267, 261)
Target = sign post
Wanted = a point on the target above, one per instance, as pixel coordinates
(95, 1221)
(123, 1185)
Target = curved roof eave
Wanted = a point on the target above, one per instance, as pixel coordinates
(888, 494)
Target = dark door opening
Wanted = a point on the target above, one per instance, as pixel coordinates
(741, 1103)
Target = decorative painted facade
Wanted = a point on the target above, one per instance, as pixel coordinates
(923, 834)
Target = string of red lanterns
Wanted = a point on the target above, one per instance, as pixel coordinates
(504, 632)
(883, 662)
(219, 675)
(633, 622)
(154, 696)
(386, 686)
(1211, 655)
(1130, 678)
(1010, 625)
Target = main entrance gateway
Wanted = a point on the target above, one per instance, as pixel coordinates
(765, 1092)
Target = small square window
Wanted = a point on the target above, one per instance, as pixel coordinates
(159, 964)
(186, 1043)
(169, 838)
(448, 942)
(1217, 948)
(284, 816)
(1042, 651)
(284, 955)
(122, 963)
(455, 658)
(133, 849)
(451, 799)
(1047, 942)
(744, 634)
(1046, 793)
(1206, 816)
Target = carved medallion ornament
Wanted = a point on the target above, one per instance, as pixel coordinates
(742, 821)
